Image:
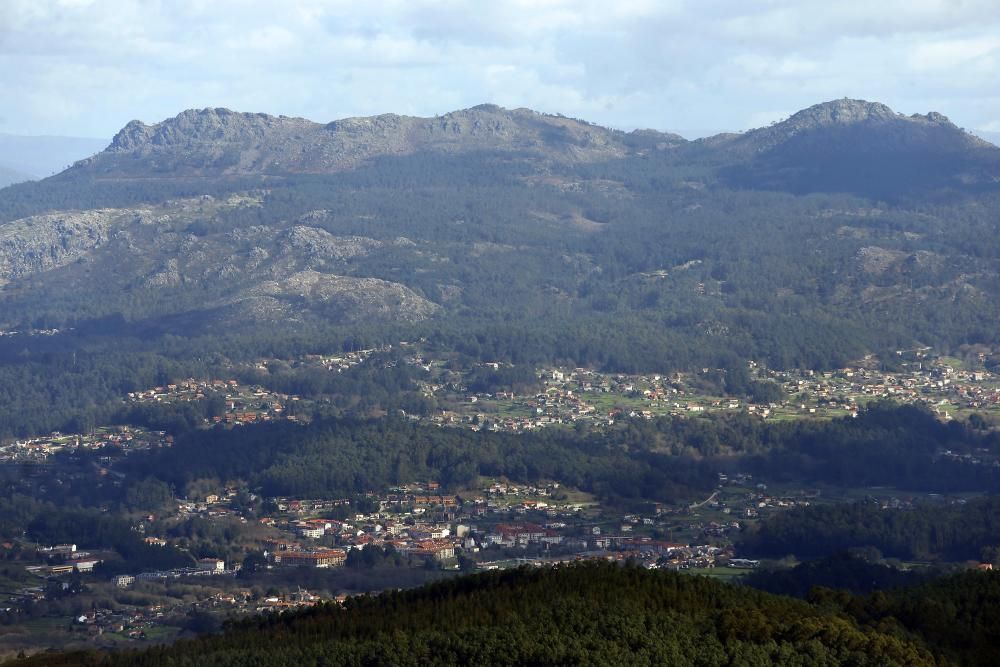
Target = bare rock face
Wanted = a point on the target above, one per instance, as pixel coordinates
(842, 112)
(167, 276)
(877, 260)
(256, 273)
(197, 128)
(874, 259)
(350, 298)
(44, 242)
(312, 243)
(131, 137)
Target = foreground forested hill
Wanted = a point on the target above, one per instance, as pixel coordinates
(603, 614)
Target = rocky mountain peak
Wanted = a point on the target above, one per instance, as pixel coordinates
(842, 112)
(857, 125)
(134, 134)
(201, 126)
(936, 117)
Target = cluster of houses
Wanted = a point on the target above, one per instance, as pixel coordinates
(418, 540)
(344, 361)
(940, 386)
(417, 521)
(242, 405)
(133, 623)
(40, 449)
(32, 332)
(566, 396)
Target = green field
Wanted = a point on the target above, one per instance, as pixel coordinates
(725, 573)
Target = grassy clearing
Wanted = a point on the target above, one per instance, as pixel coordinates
(952, 362)
(726, 573)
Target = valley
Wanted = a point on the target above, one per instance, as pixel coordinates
(285, 552)
(255, 364)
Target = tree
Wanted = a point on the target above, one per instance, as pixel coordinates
(149, 495)
(253, 562)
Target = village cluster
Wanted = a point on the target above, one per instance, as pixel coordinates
(568, 396)
(499, 524)
(40, 449)
(236, 404)
(503, 524)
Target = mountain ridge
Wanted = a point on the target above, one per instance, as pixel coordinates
(205, 140)
(483, 220)
(820, 148)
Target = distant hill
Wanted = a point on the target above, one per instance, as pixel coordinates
(860, 147)
(220, 141)
(9, 176)
(39, 157)
(839, 146)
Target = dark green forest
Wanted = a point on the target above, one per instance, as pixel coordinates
(633, 461)
(847, 571)
(634, 265)
(606, 614)
(661, 275)
(954, 532)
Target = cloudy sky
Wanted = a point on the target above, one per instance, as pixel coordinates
(86, 67)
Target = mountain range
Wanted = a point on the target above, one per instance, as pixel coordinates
(845, 229)
(221, 142)
(340, 142)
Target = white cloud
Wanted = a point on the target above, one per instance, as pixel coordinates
(80, 67)
(950, 54)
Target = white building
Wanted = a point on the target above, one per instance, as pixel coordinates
(212, 564)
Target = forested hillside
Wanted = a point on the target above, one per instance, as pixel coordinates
(966, 531)
(635, 460)
(594, 614)
(519, 236)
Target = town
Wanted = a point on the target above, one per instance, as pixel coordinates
(243, 553)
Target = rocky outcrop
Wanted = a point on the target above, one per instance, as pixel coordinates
(167, 276)
(255, 273)
(348, 298)
(828, 124)
(45, 242)
(313, 244)
(197, 128)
